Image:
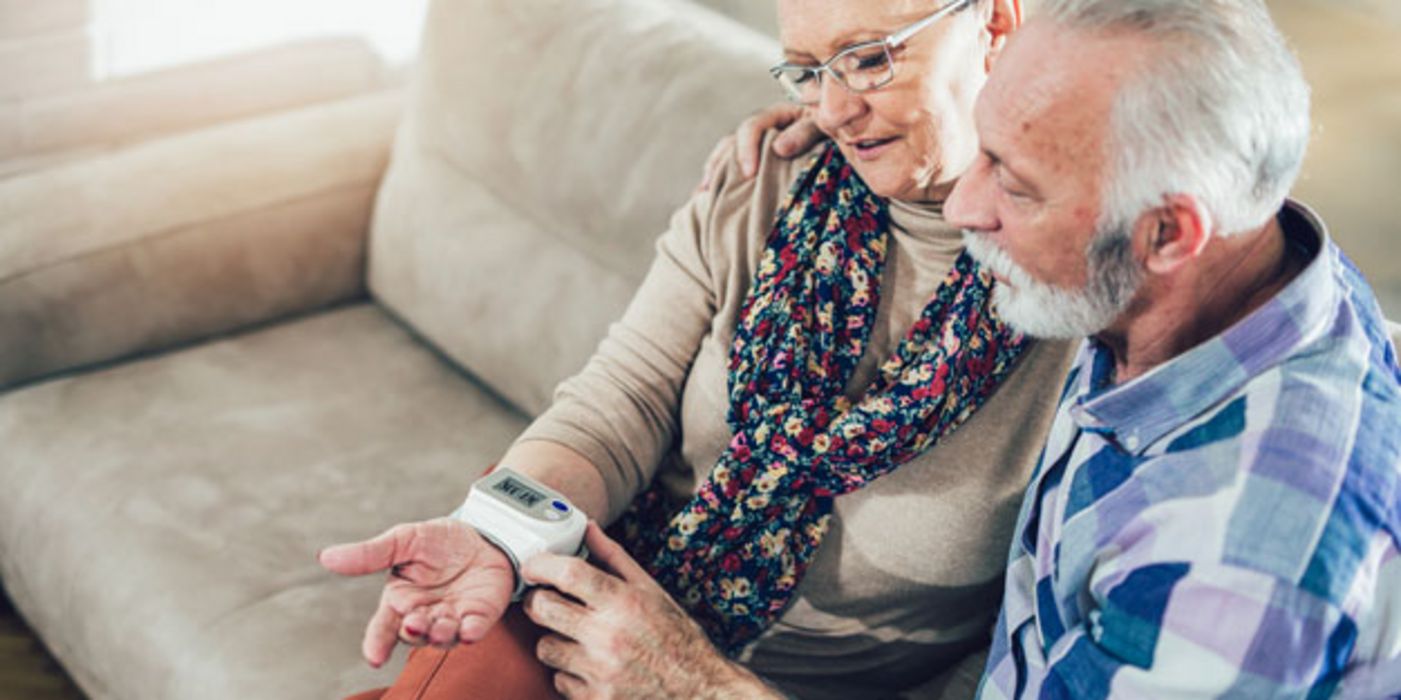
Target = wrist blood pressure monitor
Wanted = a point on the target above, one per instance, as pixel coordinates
(523, 517)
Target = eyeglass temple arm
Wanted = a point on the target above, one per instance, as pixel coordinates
(904, 35)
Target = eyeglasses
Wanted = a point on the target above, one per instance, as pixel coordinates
(860, 68)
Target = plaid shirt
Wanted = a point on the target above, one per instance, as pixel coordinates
(1226, 525)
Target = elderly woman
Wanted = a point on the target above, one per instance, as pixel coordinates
(809, 430)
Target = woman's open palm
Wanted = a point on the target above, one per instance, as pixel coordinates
(446, 584)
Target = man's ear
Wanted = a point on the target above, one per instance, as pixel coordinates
(1006, 18)
(1173, 234)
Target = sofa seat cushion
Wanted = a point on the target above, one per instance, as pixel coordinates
(159, 520)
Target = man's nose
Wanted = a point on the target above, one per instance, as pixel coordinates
(970, 205)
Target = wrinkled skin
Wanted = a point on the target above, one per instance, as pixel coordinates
(614, 633)
(446, 584)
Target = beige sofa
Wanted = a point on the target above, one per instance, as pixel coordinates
(215, 361)
(223, 350)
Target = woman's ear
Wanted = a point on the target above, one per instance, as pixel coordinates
(1006, 17)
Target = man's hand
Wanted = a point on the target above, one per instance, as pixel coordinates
(617, 634)
(798, 134)
(446, 584)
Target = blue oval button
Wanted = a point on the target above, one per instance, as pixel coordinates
(560, 506)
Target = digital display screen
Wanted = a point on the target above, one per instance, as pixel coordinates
(519, 492)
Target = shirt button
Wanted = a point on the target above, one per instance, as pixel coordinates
(1131, 442)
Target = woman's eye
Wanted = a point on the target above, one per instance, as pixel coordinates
(871, 61)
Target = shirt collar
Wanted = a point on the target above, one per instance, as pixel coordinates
(1141, 411)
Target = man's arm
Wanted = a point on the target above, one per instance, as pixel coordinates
(1197, 630)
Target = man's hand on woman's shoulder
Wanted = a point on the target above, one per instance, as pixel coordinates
(797, 134)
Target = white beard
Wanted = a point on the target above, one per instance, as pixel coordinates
(1043, 310)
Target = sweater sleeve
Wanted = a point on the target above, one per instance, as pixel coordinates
(621, 412)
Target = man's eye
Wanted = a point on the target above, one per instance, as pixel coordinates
(1016, 194)
(800, 77)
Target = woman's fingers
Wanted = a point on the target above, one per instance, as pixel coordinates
(385, 551)
(380, 635)
(473, 627)
(414, 629)
(443, 632)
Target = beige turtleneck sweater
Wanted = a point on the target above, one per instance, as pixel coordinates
(907, 583)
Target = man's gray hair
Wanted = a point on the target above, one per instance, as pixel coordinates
(1219, 111)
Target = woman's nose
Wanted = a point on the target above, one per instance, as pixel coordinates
(836, 105)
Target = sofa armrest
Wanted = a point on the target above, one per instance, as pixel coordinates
(179, 239)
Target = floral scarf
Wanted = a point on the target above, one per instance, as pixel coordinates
(734, 554)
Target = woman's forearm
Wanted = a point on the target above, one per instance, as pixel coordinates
(564, 470)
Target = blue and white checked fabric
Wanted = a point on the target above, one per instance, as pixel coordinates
(1226, 525)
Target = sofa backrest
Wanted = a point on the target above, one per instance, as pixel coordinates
(545, 144)
(759, 14)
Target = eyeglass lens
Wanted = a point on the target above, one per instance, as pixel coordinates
(859, 68)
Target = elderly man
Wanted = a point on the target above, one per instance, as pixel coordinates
(1216, 510)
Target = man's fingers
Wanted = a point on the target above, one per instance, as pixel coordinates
(570, 686)
(797, 138)
(380, 636)
(369, 556)
(551, 610)
(571, 575)
(560, 654)
(604, 550)
(747, 139)
(715, 162)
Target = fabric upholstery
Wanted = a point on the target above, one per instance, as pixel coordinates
(159, 520)
(151, 247)
(122, 111)
(762, 16)
(511, 230)
(20, 18)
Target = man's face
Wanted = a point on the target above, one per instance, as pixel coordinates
(1031, 202)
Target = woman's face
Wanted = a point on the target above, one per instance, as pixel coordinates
(911, 138)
